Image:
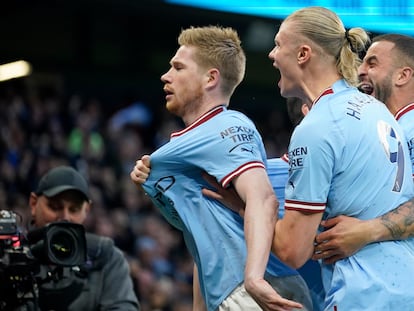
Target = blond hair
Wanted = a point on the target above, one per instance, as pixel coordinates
(217, 47)
(324, 28)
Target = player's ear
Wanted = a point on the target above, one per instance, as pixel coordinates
(212, 76)
(305, 109)
(304, 53)
(404, 75)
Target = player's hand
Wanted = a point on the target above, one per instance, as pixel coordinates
(267, 298)
(228, 197)
(141, 170)
(344, 237)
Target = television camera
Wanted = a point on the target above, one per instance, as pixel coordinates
(57, 245)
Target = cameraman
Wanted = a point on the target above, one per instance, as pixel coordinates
(103, 282)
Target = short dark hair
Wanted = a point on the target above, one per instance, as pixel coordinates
(294, 110)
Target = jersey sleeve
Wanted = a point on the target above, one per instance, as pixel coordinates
(231, 145)
(311, 169)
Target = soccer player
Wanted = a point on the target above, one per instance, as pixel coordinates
(348, 156)
(387, 72)
(277, 170)
(235, 268)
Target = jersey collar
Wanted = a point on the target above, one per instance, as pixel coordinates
(403, 111)
(336, 87)
(205, 117)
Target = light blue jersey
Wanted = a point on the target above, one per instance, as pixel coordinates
(278, 172)
(405, 118)
(349, 157)
(223, 143)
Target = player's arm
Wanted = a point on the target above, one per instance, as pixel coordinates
(346, 235)
(227, 196)
(293, 241)
(260, 216)
(231, 200)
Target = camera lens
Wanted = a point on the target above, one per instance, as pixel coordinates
(62, 245)
(66, 244)
(59, 243)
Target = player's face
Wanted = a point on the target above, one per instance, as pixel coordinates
(377, 70)
(284, 57)
(68, 205)
(183, 83)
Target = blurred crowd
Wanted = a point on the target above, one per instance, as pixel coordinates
(40, 130)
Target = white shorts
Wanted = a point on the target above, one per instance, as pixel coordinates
(292, 288)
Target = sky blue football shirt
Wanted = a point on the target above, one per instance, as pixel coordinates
(224, 143)
(349, 157)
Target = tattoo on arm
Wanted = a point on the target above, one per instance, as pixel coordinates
(400, 221)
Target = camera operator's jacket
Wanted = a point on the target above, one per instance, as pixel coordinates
(102, 283)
